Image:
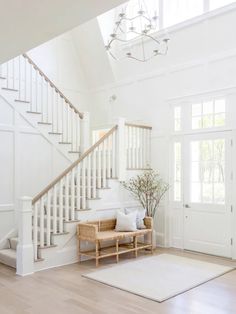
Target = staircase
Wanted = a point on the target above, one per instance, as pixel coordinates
(86, 190)
(41, 103)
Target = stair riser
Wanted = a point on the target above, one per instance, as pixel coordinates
(8, 260)
(13, 243)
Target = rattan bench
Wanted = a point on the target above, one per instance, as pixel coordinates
(104, 230)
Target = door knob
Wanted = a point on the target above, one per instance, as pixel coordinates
(186, 206)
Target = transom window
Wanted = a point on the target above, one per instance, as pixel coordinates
(208, 114)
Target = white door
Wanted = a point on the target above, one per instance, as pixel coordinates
(207, 206)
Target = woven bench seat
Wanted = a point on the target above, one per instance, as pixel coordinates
(113, 235)
(104, 230)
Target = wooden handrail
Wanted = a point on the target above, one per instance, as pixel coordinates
(55, 181)
(52, 85)
(139, 126)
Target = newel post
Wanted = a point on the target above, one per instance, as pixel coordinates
(25, 250)
(85, 130)
(121, 150)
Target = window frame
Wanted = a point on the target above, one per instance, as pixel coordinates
(207, 13)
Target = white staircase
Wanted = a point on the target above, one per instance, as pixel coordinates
(88, 189)
(42, 104)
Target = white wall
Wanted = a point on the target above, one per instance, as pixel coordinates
(28, 162)
(201, 58)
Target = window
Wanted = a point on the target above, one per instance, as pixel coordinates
(177, 118)
(176, 11)
(208, 171)
(208, 114)
(177, 171)
(215, 4)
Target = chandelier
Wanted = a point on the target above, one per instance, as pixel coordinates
(134, 36)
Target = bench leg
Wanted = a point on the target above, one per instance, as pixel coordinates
(97, 253)
(79, 255)
(117, 251)
(136, 246)
(152, 242)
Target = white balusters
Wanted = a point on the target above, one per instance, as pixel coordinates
(78, 185)
(55, 209)
(41, 229)
(89, 176)
(67, 198)
(48, 232)
(61, 206)
(33, 86)
(70, 192)
(72, 199)
(94, 174)
(35, 230)
(104, 179)
(99, 168)
(83, 183)
(138, 146)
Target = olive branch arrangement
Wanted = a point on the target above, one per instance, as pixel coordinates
(148, 188)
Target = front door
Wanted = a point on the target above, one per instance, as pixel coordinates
(207, 206)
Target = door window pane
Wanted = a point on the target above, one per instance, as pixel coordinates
(207, 171)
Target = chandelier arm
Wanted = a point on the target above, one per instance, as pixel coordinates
(112, 55)
(138, 27)
(146, 35)
(130, 19)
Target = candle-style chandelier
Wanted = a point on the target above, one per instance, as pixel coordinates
(134, 35)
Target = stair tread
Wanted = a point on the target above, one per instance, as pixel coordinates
(11, 89)
(34, 112)
(8, 252)
(8, 257)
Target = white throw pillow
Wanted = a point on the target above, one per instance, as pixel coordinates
(126, 222)
(141, 214)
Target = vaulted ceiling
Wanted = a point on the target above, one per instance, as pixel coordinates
(25, 24)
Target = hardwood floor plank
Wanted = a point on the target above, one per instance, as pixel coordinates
(63, 290)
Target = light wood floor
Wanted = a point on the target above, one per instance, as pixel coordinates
(63, 291)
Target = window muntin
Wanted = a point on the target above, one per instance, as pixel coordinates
(207, 171)
(177, 172)
(208, 114)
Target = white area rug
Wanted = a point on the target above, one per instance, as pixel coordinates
(159, 277)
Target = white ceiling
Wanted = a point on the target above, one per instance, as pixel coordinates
(25, 24)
